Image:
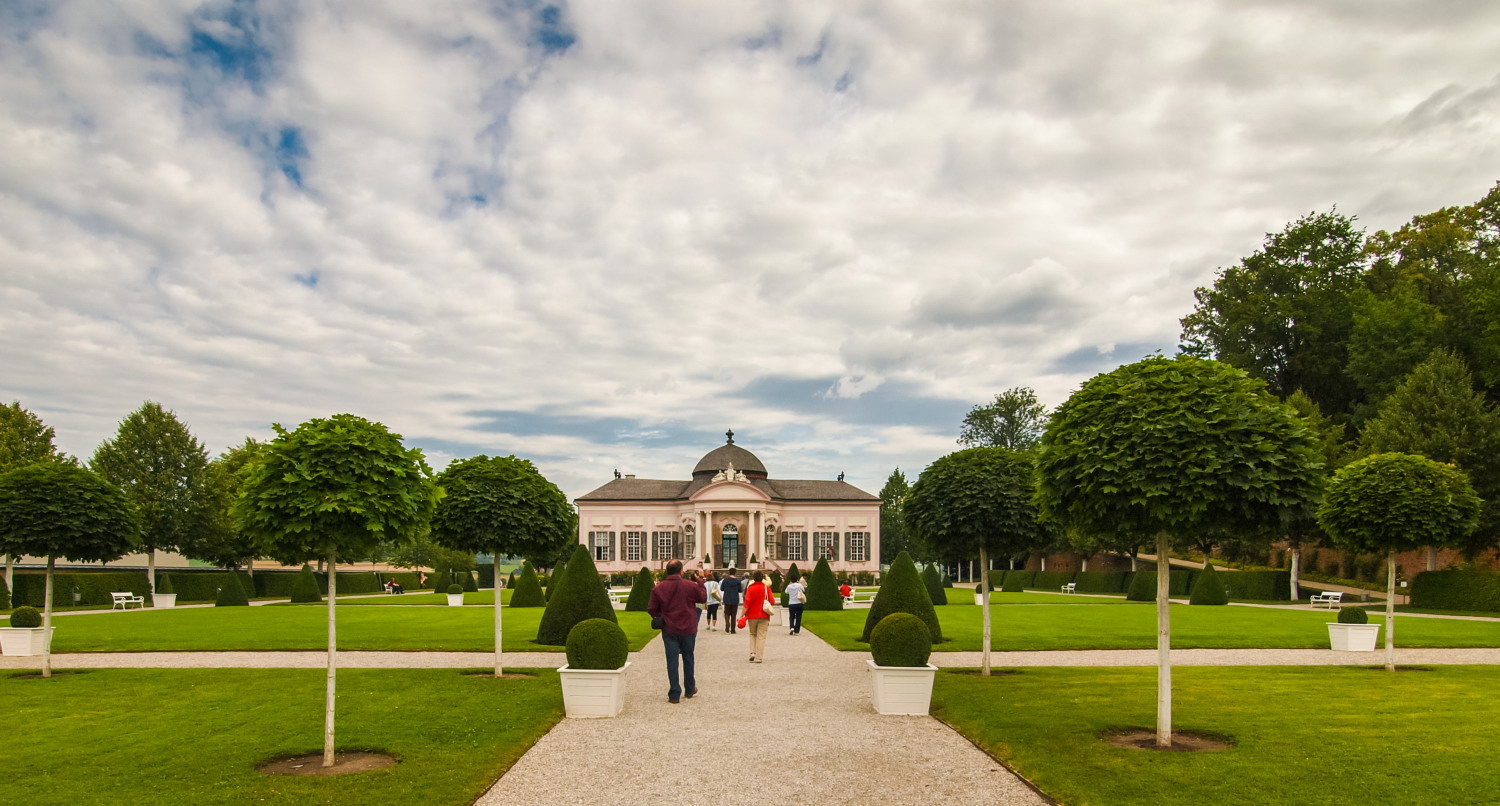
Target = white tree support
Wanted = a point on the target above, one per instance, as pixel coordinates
(1163, 643)
(332, 663)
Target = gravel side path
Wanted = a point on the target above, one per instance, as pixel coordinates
(286, 660)
(1220, 657)
(809, 702)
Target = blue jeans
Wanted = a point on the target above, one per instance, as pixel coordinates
(679, 645)
(795, 613)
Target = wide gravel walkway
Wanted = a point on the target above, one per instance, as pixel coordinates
(798, 728)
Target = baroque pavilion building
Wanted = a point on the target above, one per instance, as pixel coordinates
(729, 512)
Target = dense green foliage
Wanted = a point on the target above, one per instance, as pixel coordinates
(976, 500)
(902, 591)
(1353, 615)
(597, 643)
(1142, 586)
(59, 510)
(1101, 581)
(201, 586)
(794, 573)
(900, 639)
(894, 537)
(501, 505)
(640, 591)
(1257, 585)
(469, 584)
(1017, 579)
(224, 544)
(4, 594)
(1456, 590)
(165, 585)
(455, 590)
(1014, 420)
(1207, 589)
(25, 439)
(92, 587)
(26, 617)
(576, 597)
(1051, 580)
(822, 589)
(934, 584)
(231, 593)
(1393, 502)
(305, 589)
(527, 591)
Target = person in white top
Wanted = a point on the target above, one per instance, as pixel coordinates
(796, 595)
(712, 605)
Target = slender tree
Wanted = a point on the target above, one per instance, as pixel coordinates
(1169, 447)
(334, 487)
(24, 440)
(1015, 419)
(500, 505)
(894, 538)
(55, 509)
(222, 542)
(1393, 502)
(163, 469)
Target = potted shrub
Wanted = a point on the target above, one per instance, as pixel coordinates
(25, 635)
(593, 679)
(754, 563)
(165, 595)
(455, 595)
(901, 676)
(979, 594)
(1353, 632)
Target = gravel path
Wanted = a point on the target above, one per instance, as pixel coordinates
(809, 702)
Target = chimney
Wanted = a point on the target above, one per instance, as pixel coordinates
(629, 475)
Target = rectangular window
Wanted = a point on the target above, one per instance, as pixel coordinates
(602, 544)
(664, 545)
(859, 546)
(635, 545)
(826, 544)
(796, 546)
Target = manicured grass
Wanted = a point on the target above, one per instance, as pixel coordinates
(1035, 627)
(196, 735)
(1303, 735)
(1002, 598)
(423, 597)
(305, 627)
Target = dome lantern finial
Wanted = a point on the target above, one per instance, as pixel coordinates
(730, 434)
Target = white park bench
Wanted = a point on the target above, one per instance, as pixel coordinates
(1330, 598)
(124, 599)
(1071, 587)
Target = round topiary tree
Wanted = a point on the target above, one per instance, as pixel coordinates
(1172, 447)
(527, 590)
(822, 590)
(1208, 588)
(26, 617)
(1353, 615)
(59, 510)
(455, 590)
(933, 581)
(305, 587)
(1395, 502)
(900, 639)
(902, 591)
(576, 597)
(1142, 587)
(596, 643)
(640, 592)
(231, 592)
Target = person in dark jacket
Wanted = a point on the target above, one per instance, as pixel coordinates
(675, 601)
(730, 587)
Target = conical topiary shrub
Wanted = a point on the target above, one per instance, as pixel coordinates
(793, 574)
(902, 591)
(554, 577)
(933, 581)
(527, 591)
(469, 582)
(576, 596)
(1142, 586)
(1208, 589)
(822, 590)
(231, 592)
(305, 586)
(510, 581)
(640, 592)
(776, 584)
(164, 587)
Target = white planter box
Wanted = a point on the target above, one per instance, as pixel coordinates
(1353, 637)
(163, 600)
(902, 690)
(19, 641)
(979, 598)
(781, 617)
(455, 600)
(593, 693)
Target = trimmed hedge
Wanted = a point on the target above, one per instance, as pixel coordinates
(822, 590)
(1051, 580)
(1182, 581)
(576, 597)
(1353, 615)
(1101, 581)
(1262, 585)
(26, 617)
(4, 595)
(902, 591)
(900, 639)
(640, 592)
(1444, 590)
(305, 586)
(232, 593)
(528, 591)
(793, 574)
(486, 573)
(1015, 581)
(469, 584)
(203, 586)
(1141, 587)
(934, 584)
(94, 587)
(1207, 589)
(777, 586)
(406, 579)
(596, 644)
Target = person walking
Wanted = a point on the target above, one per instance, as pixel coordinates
(730, 588)
(675, 601)
(794, 597)
(758, 599)
(711, 587)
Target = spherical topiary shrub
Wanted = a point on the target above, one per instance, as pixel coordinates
(902, 591)
(597, 644)
(26, 617)
(455, 590)
(934, 583)
(1353, 615)
(1208, 589)
(576, 596)
(1142, 587)
(231, 592)
(305, 586)
(900, 639)
(527, 592)
(640, 592)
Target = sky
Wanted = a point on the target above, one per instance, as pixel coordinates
(599, 234)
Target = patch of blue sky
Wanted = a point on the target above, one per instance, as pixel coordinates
(309, 278)
(844, 83)
(810, 59)
(1091, 361)
(19, 19)
(232, 40)
(462, 450)
(289, 153)
(770, 40)
(599, 430)
(892, 403)
(551, 31)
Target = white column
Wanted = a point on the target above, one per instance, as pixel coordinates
(754, 536)
(708, 526)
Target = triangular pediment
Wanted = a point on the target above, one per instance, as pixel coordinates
(730, 491)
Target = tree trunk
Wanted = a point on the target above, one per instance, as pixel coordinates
(10, 574)
(1431, 559)
(1132, 562)
(1296, 573)
(1085, 566)
(332, 665)
(1044, 562)
(1390, 614)
(1163, 644)
(151, 571)
(499, 587)
(47, 621)
(984, 587)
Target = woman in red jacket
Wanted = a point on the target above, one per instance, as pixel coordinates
(757, 614)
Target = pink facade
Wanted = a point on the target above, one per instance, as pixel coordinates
(728, 513)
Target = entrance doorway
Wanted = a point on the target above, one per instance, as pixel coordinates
(730, 547)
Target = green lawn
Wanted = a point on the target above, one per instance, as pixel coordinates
(305, 627)
(966, 597)
(196, 735)
(484, 597)
(1303, 736)
(1113, 626)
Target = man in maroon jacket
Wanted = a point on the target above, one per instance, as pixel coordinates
(675, 602)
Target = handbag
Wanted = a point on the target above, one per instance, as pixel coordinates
(802, 596)
(769, 605)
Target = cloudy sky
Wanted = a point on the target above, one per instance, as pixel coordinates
(597, 234)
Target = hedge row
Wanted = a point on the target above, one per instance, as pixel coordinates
(1451, 590)
(1267, 585)
(200, 586)
(1101, 581)
(94, 587)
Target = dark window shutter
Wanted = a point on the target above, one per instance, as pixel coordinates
(611, 546)
(849, 545)
(676, 548)
(656, 545)
(835, 543)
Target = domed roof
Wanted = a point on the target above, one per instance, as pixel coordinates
(729, 453)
